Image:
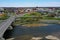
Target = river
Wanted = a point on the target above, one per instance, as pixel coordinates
(51, 29)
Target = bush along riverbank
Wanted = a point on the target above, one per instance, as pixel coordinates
(34, 19)
(31, 18)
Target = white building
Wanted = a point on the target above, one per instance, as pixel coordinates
(28, 10)
(2, 9)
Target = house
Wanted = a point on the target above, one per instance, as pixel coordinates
(19, 11)
(28, 10)
(1, 11)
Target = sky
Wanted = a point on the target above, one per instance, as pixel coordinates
(29, 3)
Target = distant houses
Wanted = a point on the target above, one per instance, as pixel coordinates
(22, 10)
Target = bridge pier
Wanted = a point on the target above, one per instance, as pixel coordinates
(1, 38)
(10, 28)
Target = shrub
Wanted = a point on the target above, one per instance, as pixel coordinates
(3, 17)
(31, 18)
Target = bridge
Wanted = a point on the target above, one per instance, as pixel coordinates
(4, 26)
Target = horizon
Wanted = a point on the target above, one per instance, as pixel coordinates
(30, 7)
(29, 3)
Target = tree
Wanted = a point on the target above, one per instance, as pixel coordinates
(31, 17)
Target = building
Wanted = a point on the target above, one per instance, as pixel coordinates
(1, 11)
(28, 10)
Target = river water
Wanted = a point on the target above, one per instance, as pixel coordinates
(51, 29)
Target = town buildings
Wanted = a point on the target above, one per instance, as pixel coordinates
(23, 10)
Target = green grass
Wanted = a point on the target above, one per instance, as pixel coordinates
(50, 18)
(4, 17)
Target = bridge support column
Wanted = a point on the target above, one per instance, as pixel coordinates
(10, 28)
(1, 38)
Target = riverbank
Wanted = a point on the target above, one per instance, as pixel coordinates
(38, 23)
(34, 25)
